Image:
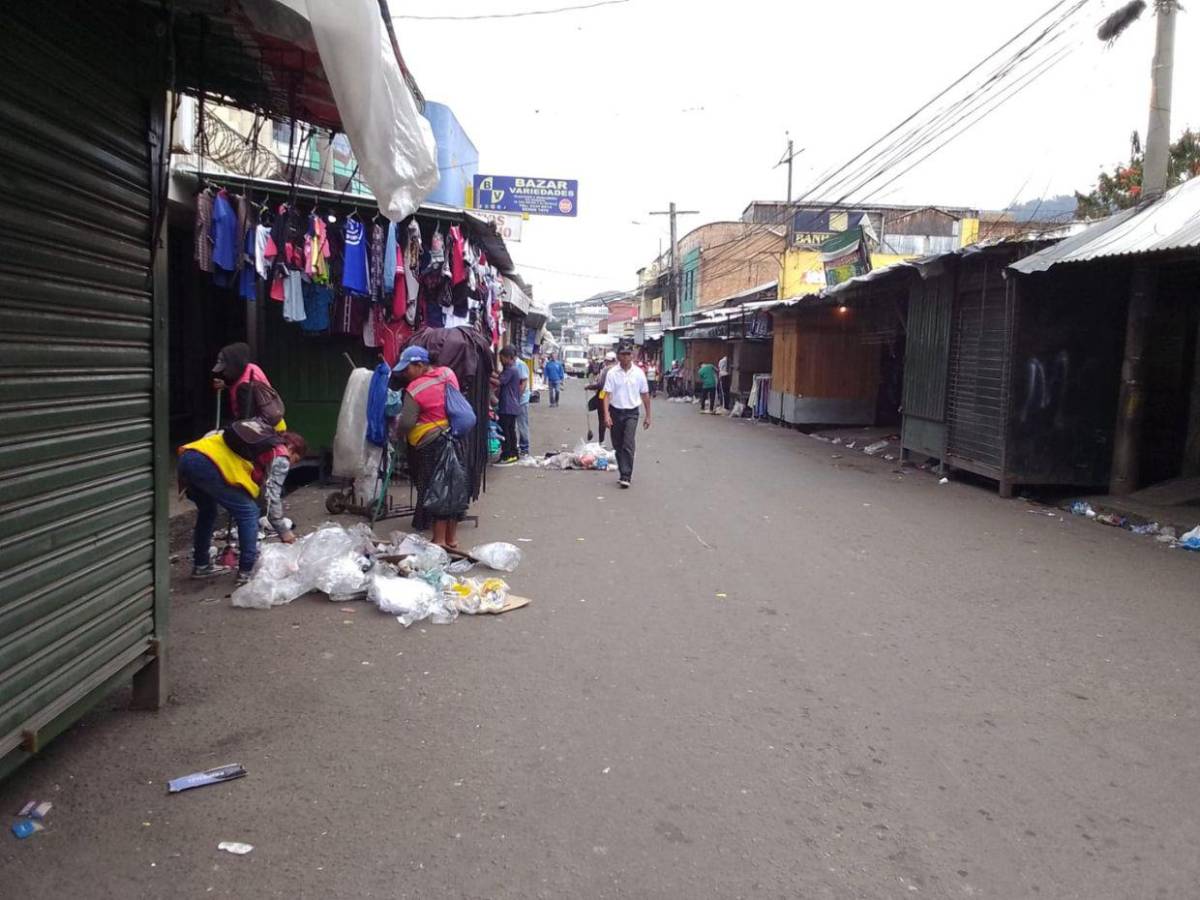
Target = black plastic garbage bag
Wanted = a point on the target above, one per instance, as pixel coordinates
(448, 491)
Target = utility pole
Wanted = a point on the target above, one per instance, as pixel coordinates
(1158, 135)
(787, 158)
(1131, 402)
(673, 280)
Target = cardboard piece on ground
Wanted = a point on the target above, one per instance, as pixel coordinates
(513, 602)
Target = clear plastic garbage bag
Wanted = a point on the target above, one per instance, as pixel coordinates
(499, 556)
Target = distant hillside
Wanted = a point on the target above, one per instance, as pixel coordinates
(1061, 206)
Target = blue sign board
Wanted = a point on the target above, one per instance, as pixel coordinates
(530, 196)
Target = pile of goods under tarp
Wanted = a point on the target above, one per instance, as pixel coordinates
(407, 577)
(584, 456)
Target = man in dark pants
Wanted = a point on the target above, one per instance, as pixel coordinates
(625, 390)
(511, 387)
(610, 361)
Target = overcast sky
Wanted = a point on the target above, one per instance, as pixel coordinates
(651, 101)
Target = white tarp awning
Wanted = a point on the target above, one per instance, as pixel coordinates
(392, 141)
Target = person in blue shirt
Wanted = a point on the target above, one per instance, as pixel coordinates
(523, 418)
(512, 386)
(555, 375)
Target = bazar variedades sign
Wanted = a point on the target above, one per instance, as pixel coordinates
(531, 196)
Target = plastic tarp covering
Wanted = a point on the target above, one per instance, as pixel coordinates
(350, 440)
(392, 141)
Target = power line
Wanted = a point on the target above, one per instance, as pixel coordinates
(915, 139)
(514, 15)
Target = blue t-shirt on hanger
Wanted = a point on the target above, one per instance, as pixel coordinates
(354, 272)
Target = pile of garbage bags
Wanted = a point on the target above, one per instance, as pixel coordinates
(586, 455)
(408, 577)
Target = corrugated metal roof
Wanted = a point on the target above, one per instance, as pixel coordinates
(1171, 222)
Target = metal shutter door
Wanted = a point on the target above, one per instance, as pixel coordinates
(977, 396)
(77, 372)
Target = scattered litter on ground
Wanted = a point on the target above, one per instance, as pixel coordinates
(877, 447)
(36, 809)
(1166, 535)
(525, 540)
(705, 544)
(1191, 540)
(1111, 519)
(835, 456)
(1148, 528)
(26, 827)
(722, 596)
(1082, 508)
(497, 555)
(944, 481)
(236, 847)
(207, 777)
(585, 456)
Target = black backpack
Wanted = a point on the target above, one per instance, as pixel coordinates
(251, 438)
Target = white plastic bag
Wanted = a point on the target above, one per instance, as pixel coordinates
(320, 560)
(345, 577)
(409, 600)
(499, 556)
(393, 143)
(350, 441)
(276, 580)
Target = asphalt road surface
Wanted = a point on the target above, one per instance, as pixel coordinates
(762, 672)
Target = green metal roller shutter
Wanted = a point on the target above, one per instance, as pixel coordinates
(81, 564)
(978, 396)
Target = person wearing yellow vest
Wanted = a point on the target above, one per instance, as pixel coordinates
(213, 476)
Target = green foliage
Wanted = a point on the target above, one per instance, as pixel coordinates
(1122, 187)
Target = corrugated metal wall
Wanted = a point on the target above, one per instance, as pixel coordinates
(926, 359)
(978, 395)
(79, 563)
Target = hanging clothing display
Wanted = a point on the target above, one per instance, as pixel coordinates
(293, 297)
(262, 266)
(458, 266)
(375, 265)
(350, 314)
(203, 235)
(391, 253)
(247, 278)
(316, 250)
(354, 272)
(379, 282)
(318, 307)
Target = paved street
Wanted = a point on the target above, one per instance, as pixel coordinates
(763, 672)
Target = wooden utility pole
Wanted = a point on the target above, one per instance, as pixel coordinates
(1131, 403)
(787, 158)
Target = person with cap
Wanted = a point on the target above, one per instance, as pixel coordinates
(235, 373)
(512, 387)
(596, 401)
(424, 426)
(625, 390)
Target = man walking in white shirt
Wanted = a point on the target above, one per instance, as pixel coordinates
(625, 390)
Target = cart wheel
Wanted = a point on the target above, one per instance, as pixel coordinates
(335, 503)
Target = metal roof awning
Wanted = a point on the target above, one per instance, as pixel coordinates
(1169, 223)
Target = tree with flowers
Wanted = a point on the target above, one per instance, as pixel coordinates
(1122, 187)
